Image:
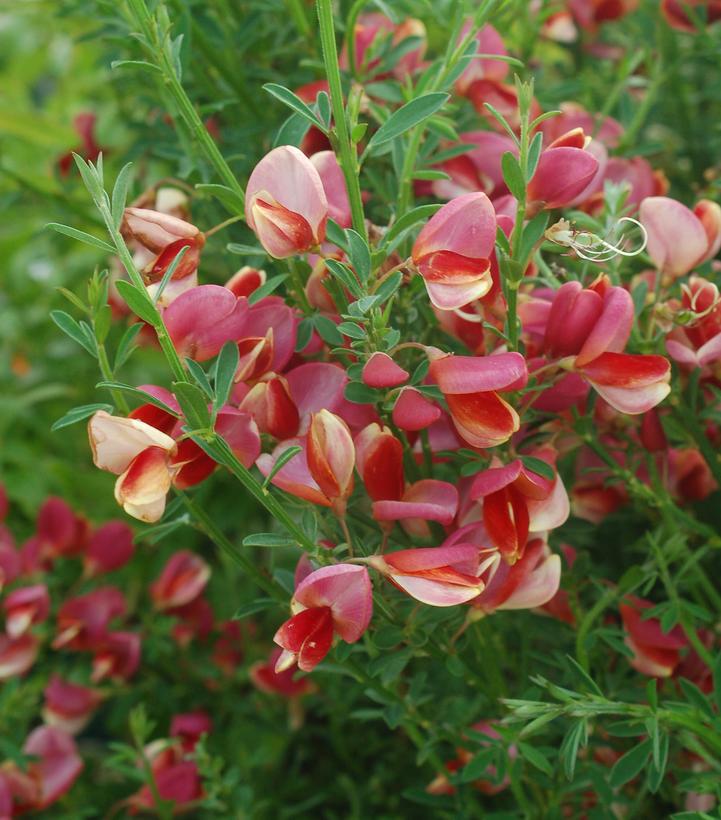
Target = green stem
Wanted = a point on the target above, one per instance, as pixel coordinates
(208, 526)
(159, 54)
(348, 157)
(107, 373)
(588, 621)
(218, 449)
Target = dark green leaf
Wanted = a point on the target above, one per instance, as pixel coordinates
(254, 607)
(292, 131)
(359, 255)
(534, 154)
(231, 200)
(142, 394)
(408, 116)
(140, 303)
(120, 193)
(513, 176)
(281, 461)
(81, 236)
(535, 758)
(77, 332)
(345, 276)
(406, 222)
(265, 290)
(194, 404)
(359, 393)
(352, 330)
(268, 539)
(225, 373)
(628, 766)
(327, 330)
(539, 467)
(79, 413)
(200, 377)
(286, 96)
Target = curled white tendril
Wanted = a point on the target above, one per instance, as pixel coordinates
(592, 248)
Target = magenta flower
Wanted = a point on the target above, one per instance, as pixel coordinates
(69, 706)
(183, 578)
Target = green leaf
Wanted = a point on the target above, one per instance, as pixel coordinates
(628, 766)
(148, 398)
(407, 117)
(168, 275)
(79, 333)
(430, 174)
(253, 608)
(390, 665)
(359, 393)
(539, 467)
(81, 236)
(268, 539)
(292, 131)
(200, 377)
(102, 322)
(406, 222)
(305, 331)
(534, 154)
(265, 290)
(327, 330)
(245, 250)
(78, 414)
(477, 766)
(281, 461)
(352, 330)
(140, 303)
(231, 200)
(359, 255)
(657, 770)
(532, 233)
(225, 373)
(344, 275)
(574, 738)
(502, 121)
(535, 758)
(287, 97)
(389, 287)
(126, 345)
(194, 404)
(120, 193)
(696, 698)
(717, 681)
(513, 176)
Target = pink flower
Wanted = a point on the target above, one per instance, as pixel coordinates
(164, 236)
(331, 457)
(331, 176)
(270, 404)
(69, 706)
(676, 12)
(655, 652)
(413, 411)
(588, 327)
(264, 677)
(680, 239)
(116, 656)
(379, 459)
(58, 765)
(110, 547)
(183, 578)
(439, 576)
(83, 621)
(17, 655)
(190, 727)
(370, 32)
(59, 530)
(488, 41)
(470, 385)
(24, 607)
(332, 600)
(285, 203)
(201, 320)
(381, 371)
(516, 501)
(425, 500)
(452, 252)
(565, 170)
